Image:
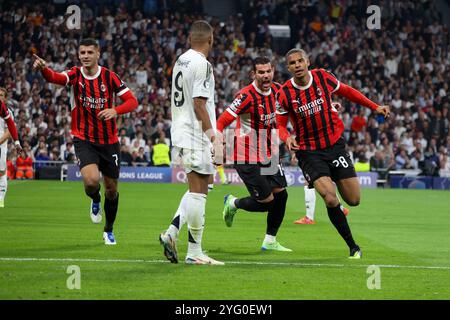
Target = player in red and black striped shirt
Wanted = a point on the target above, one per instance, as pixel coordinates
(255, 110)
(94, 126)
(305, 99)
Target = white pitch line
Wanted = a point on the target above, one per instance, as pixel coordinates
(263, 263)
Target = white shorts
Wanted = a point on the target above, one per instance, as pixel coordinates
(3, 152)
(199, 161)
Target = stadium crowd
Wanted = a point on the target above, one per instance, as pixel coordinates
(404, 64)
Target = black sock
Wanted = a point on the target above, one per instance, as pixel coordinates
(110, 212)
(276, 213)
(176, 222)
(95, 196)
(339, 221)
(250, 204)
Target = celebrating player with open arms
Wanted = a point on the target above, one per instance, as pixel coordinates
(255, 110)
(305, 99)
(94, 126)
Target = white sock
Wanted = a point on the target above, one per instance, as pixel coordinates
(181, 213)
(342, 206)
(233, 202)
(195, 212)
(339, 199)
(310, 202)
(210, 186)
(3, 186)
(270, 239)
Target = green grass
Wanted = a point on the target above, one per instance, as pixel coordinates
(406, 229)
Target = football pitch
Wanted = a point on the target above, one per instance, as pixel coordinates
(46, 233)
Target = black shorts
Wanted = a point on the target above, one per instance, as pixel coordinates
(260, 186)
(105, 156)
(333, 162)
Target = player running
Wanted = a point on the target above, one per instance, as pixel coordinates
(255, 110)
(94, 126)
(5, 133)
(310, 195)
(193, 120)
(310, 206)
(305, 99)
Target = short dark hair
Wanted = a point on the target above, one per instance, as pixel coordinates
(89, 42)
(296, 50)
(200, 31)
(261, 60)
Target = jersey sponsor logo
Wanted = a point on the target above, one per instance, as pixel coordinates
(309, 108)
(93, 103)
(268, 119)
(183, 63)
(335, 106)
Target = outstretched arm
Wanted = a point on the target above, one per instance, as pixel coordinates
(357, 97)
(49, 74)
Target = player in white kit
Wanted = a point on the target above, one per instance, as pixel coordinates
(193, 132)
(6, 124)
(4, 136)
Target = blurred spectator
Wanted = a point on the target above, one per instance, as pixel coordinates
(24, 165)
(67, 151)
(444, 163)
(125, 156)
(359, 122)
(42, 155)
(10, 168)
(417, 160)
(161, 154)
(379, 163)
(402, 161)
(140, 157)
(362, 164)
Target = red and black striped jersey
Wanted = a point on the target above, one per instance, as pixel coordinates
(315, 121)
(89, 96)
(255, 111)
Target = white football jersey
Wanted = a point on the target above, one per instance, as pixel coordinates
(2, 126)
(192, 77)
